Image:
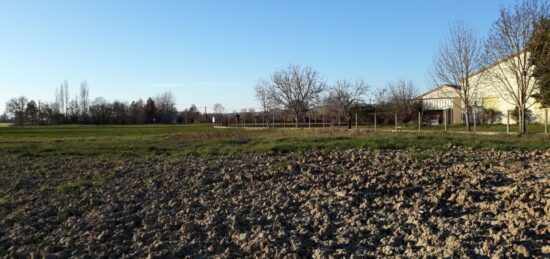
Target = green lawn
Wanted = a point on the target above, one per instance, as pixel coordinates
(138, 141)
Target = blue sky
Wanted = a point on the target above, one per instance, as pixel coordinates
(214, 51)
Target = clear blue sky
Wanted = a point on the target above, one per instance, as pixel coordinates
(214, 51)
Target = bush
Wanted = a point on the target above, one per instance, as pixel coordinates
(528, 114)
(491, 116)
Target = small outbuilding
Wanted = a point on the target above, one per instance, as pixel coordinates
(440, 100)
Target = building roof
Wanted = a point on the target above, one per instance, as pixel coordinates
(437, 89)
(494, 64)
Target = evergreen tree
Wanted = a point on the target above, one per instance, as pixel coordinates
(539, 47)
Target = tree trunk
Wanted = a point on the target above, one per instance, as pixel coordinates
(349, 122)
(522, 120)
(467, 117)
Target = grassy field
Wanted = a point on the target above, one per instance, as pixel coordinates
(207, 140)
(531, 129)
(100, 185)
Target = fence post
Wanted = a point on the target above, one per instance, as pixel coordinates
(546, 121)
(356, 126)
(323, 120)
(508, 121)
(396, 122)
(309, 119)
(419, 120)
(297, 121)
(475, 120)
(445, 119)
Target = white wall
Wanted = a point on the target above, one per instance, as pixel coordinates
(493, 93)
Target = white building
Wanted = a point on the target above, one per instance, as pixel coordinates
(493, 100)
(442, 99)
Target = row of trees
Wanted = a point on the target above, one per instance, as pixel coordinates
(82, 110)
(301, 90)
(514, 59)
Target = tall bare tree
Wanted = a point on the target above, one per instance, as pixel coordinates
(66, 97)
(262, 96)
(458, 58)
(84, 100)
(218, 110)
(506, 50)
(296, 89)
(59, 99)
(402, 99)
(345, 94)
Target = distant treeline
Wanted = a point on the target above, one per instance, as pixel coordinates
(80, 110)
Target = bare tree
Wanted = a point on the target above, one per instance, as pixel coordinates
(296, 89)
(100, 111)
(506, 50)
(73, 110)
(84, 100)
(59, 99)
(457, 59)
(262, 95)
(219, 109)
(345, 94)
(166, 107)
(402, 99)
(66, 97)
(15, 108)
